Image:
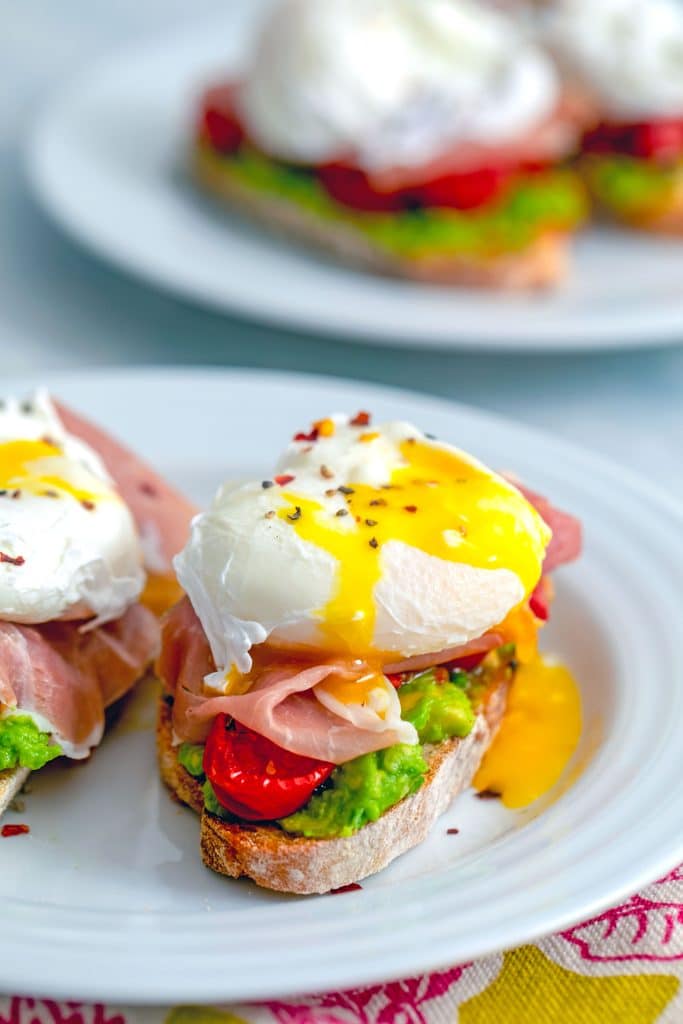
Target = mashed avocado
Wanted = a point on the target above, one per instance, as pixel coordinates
(23, 745)
(360, 791)
(437, 710)
(191, 757)
(552, 200)
(633, 188)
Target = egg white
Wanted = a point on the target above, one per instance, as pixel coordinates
(78, 562)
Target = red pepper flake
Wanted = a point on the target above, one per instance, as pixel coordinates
(489, 794)
(361, 419)
(18, 560)
(303, 436)
(351, 887)
(373, 542)
(452, 831)
(283, 478)
(87, 504)
(14, 830)
(148, 489)
(410, 508)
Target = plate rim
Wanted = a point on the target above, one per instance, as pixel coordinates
(590, 333)
(141, 993)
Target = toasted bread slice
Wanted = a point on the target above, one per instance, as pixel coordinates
(276, 860)
(10, 784)
(542, 264)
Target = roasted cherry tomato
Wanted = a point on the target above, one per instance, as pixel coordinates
(540, 600)
(255, 778)
(219, 121)
(651, 140)
(464, 190)
(351, 187)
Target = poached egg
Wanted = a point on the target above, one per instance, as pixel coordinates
(68, 545)
(396, 82)
(368, 543)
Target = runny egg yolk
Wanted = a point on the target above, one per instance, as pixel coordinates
(38, 467)
(539, 734)
(354, 691)
(436, 501)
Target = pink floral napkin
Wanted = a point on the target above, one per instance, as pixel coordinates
(624, 966)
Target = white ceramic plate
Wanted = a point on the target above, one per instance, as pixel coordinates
(107, 899)
(107, 161)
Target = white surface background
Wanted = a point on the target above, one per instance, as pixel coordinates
(59, 308)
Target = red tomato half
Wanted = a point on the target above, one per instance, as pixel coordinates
(464, 190)
(351, 187)
(653, 140)
(255, 778)
(219, 121)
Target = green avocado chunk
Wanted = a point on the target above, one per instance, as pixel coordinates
(551, 200)
(191, 757)
(437, 710)
(630, 186)
(23, 745)
(360, 791)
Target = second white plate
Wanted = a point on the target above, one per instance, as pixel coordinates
(108, 162)
(107, 899)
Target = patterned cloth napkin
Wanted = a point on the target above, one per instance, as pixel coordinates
(624, 966)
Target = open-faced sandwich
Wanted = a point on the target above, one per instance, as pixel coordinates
(343, 657)
(418, 138)
(629, 55)
(74, 635)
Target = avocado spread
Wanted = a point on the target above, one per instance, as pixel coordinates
(437, 710)
(23, 745)
(633, 188)
(361, 790)
(535, 203)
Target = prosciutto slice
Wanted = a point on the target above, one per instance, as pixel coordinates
(281, 704)
(162, 513)
(65, 678)
(566, 542)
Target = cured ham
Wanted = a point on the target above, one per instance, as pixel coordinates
(282, 706)
(65, 677)
(566, 542)
(162, 513)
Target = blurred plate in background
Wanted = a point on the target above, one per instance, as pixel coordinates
(108, 161)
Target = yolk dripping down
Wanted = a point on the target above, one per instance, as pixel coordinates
(436, 501)
(539, 734)
(34, 466)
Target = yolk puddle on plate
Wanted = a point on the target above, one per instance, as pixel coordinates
(35, 466)
(539, 734)
(436, 501)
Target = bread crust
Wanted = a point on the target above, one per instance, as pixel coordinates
(292, 864)
(11, 782)
(541, 264)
